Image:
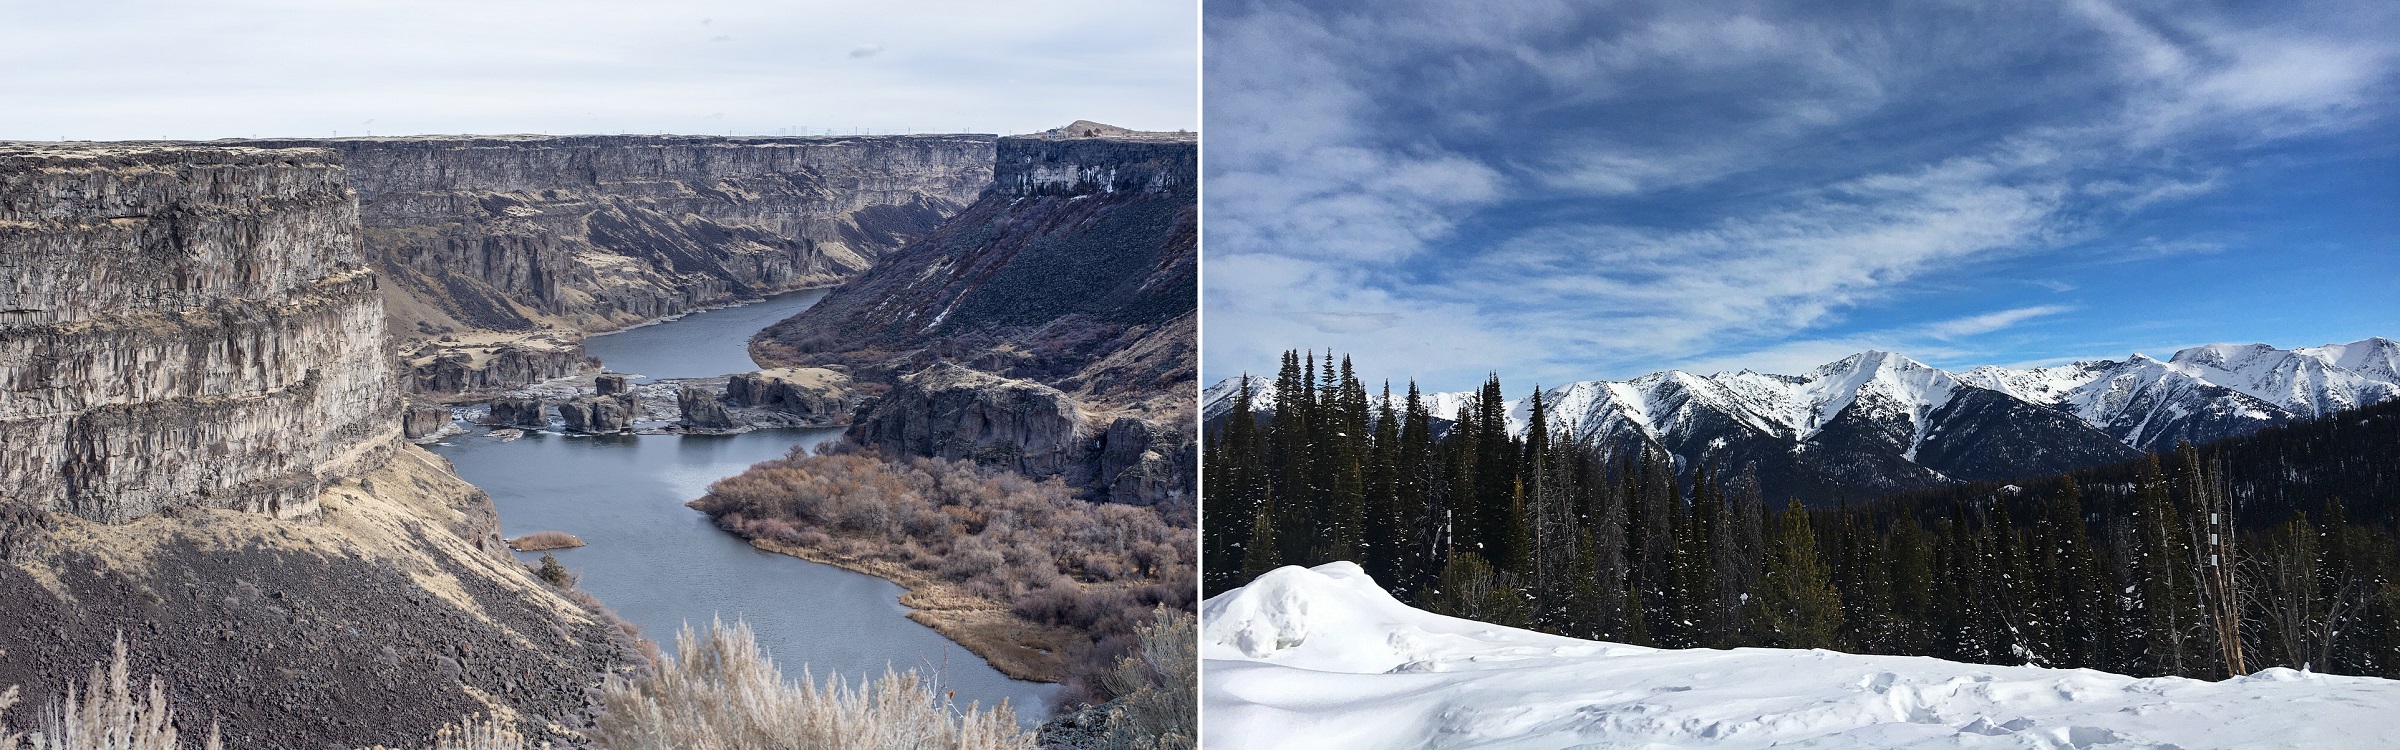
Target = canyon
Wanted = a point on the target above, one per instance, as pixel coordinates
(204, 458)
(1050, 326)
(215, 358)
(497, 254)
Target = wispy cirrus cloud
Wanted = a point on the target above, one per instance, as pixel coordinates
(1566, 191)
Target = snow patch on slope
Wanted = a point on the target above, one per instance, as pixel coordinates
(1323, 658)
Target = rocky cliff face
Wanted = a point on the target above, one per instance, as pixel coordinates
(1076, 272)
(592, 233)
(954, 412)
(1084, 248)
(185, 326)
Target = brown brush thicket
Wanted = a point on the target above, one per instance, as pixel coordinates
(541, 541)
(1052, 557)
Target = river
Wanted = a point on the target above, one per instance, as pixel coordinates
(700, 345)
(660, 564)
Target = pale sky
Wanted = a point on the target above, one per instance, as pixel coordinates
(116, 70)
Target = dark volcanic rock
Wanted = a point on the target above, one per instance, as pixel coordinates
(1139, 463)
(423, 420)
(287, 644)
(822, 396)
(1082, 255)
(600, 414)
(702, 409)
(518, 411)
(185, 326)
(1077, 271)
(606, 385)
(436, 367)
(954, 412)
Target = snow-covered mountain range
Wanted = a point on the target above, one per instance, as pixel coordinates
(1324, 658)
(1878, 421)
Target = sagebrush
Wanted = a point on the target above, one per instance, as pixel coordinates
(720, 691)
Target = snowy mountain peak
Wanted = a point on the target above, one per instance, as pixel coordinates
(2199, 394)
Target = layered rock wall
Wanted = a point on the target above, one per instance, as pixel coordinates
(593, 233)
(1074, 275)
(185, 326)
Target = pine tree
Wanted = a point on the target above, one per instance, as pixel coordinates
(1264, 555)
(1345, 413)
(1496, 488)
(1382, 554)
(1798, 606)
(1291, 445)
(2169, 603)
(1417, 508)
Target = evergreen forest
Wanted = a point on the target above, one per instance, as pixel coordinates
(2272, 549)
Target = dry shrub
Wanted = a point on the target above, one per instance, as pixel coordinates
(721, 691)
(544, 540)
(1158, 687)
(107, 715)
(1053, 557)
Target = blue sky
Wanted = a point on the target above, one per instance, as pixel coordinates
(119, 69)
(1569, 190)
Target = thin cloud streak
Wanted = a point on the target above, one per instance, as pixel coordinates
(1498, 179)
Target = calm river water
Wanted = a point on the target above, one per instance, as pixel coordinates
(661, 564)
(700, 345)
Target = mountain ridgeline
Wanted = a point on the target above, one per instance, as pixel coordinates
(1051, 325)
(1878, 422)
(2274, 548)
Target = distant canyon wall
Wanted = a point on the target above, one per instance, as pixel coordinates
(1049, 327)
(583, 234)
(185, 326)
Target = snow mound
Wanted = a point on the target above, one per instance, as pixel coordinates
(1334, 618)
(1323, 658)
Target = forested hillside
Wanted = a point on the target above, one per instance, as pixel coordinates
(2274, 549)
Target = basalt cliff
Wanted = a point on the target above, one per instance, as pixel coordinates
(498, 253)
(201, 453)
(185, 327)
(1049, 327)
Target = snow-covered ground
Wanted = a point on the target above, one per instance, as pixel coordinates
(1323, 658)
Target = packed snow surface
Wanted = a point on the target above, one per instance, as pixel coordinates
(1323, 658)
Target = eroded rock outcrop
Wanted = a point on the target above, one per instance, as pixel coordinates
(817, 394)
(954, 412)
(600, 414)
(612, 384)
(518, 411)
(480, 362)
(1143, 464)
(424, 421)
(702, 409)
(185, 326)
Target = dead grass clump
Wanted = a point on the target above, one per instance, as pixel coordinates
(106, 715)
(544, 540)
(721, 691)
